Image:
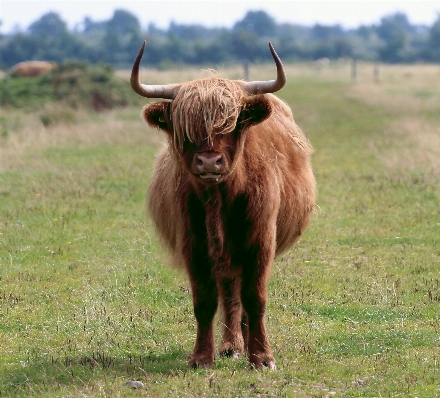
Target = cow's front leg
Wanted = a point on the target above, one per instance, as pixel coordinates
(204, 293)
(254, 300)
(232, 344)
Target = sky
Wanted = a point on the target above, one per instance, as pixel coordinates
(19, 14)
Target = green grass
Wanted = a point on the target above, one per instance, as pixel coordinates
(86, 302)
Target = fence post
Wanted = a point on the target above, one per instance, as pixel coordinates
(353, 70)
(376, 72)
(246, 70)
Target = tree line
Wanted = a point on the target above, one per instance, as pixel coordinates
(116, 41)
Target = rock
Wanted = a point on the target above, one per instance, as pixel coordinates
(134, 384)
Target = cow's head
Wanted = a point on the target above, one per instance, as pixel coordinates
(206, 120)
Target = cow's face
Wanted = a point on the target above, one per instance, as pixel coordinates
(208, 154)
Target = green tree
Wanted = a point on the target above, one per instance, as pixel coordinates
(433, 50)
(113, 46)
(393, 30)
(49, 24)
(18, 48)
(244, 45)
(342, 47)
(258, 22)
(90, 26)
(326, 33)
(124, 22)
(330, 41)
(53, 41)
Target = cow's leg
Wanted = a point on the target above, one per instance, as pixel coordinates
(254, 300)
(245, 329)
(232, 344)
(204, 291)
(203, 285)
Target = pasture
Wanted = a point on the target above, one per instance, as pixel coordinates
(88, 303)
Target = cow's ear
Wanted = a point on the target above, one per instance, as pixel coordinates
(256, 110)
(157, 115)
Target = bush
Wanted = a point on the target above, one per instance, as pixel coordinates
(75, 84)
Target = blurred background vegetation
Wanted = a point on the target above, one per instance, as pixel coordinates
(115, 41)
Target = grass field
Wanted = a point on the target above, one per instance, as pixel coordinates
(88, 303)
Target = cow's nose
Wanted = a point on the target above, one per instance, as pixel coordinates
(209, 162)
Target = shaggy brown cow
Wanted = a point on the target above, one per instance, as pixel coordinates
(32, 68)
(232, 188)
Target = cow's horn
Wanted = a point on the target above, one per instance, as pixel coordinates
(262, 87)
(149, 91)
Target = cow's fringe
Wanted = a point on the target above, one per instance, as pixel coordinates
(202, 110)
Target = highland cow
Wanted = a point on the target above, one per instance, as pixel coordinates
(32, 68)
(232, 188)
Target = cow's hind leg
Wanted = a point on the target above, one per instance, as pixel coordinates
(232, 344)
(205, 306)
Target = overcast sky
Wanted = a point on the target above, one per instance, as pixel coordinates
(350, 13)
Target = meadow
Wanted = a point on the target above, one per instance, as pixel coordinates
(87, 301)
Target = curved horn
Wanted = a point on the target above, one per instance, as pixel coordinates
(271, 86)
(149, 91)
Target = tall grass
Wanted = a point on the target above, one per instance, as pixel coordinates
(87, 301)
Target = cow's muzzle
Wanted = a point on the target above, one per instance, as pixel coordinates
(209, 166)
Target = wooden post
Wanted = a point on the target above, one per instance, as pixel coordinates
(246, 70)
(353, 70)
(376, 72)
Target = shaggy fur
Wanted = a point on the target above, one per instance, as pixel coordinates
(226, 231)
(222, 101)
(32, 68)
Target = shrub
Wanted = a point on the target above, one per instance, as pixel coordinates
(75, 84)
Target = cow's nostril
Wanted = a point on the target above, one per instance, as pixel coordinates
(207, 162)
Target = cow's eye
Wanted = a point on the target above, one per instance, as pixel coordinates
(187, 144)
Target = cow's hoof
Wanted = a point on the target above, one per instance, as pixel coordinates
(263, 362)
(234, 354)
(270, 365)
(200, 363)
(233, 350)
